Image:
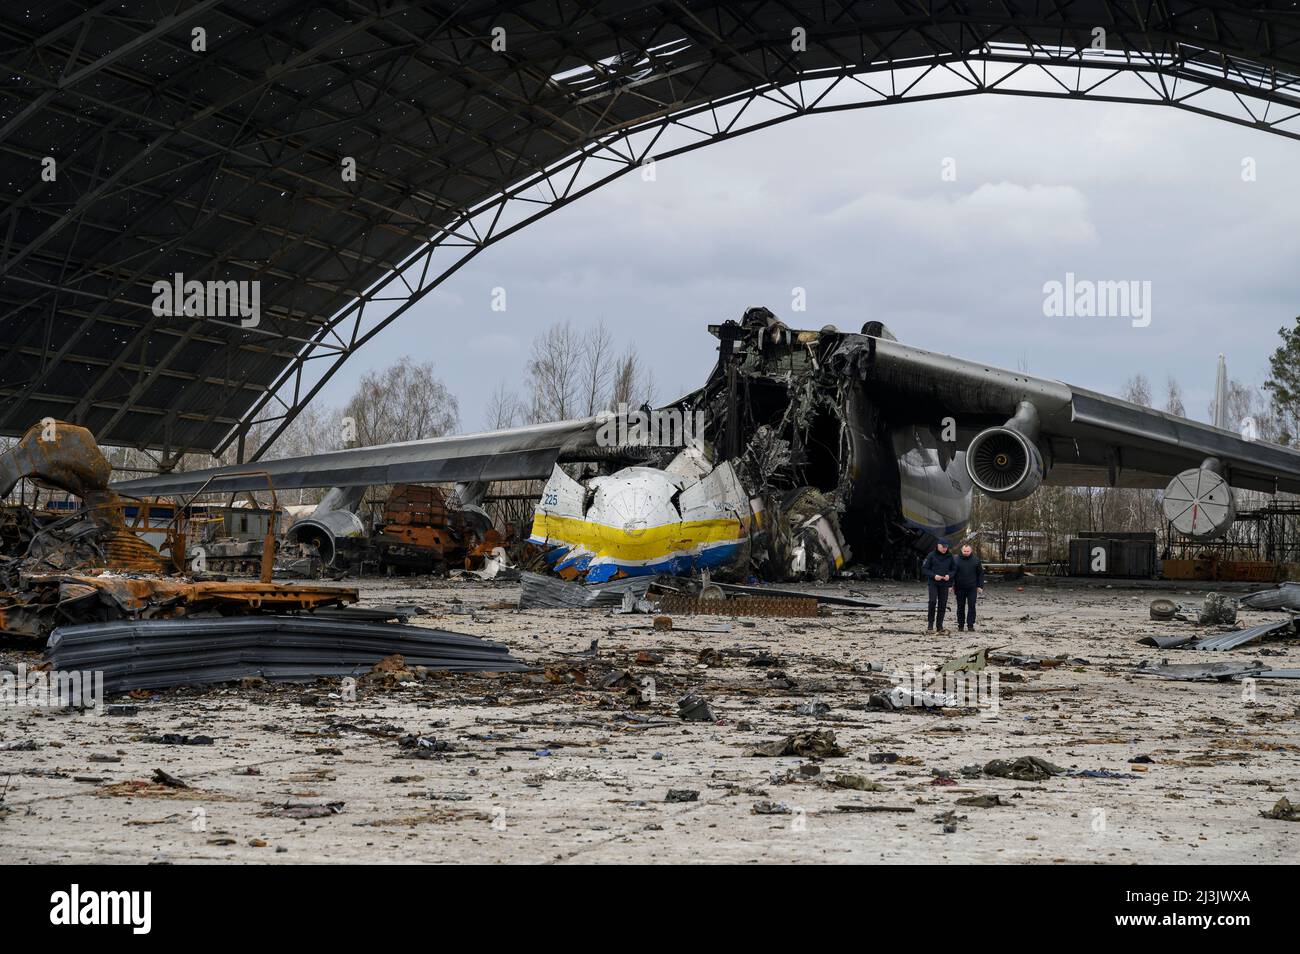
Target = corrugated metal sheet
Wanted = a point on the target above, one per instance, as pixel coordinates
(155, 654)
(1240, 637)
(1218, 642)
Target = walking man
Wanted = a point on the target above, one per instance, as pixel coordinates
(938, 569)
(967, 583)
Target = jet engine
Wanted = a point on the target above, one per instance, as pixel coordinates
(1199, 503)
(332, 528)
(1004, 462)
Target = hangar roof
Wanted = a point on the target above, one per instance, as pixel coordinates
(131, 152)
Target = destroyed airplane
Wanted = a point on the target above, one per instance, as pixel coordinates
(816, 449)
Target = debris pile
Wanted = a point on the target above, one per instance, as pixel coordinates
(66, 456)
(89, 567)
(43, 602)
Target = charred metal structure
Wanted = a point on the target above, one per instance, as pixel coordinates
(214, 142)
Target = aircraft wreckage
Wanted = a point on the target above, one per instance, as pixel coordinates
(803, 452)
(90, 565)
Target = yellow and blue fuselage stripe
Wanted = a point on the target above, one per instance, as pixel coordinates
(599, 551)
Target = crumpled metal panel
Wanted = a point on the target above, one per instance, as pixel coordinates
(1283, 596)
(548, 591)
(1201, 672)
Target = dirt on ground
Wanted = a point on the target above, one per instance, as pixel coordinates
(587, 759)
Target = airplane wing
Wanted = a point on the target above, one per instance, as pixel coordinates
(518, 453)
(1083, 438)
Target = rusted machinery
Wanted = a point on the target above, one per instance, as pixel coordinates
(89, 566)
(66, 456)
(422, 534)
(54, 600)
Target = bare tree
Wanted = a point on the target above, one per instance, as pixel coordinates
(554, 373)
(597, 369)
(1138, 390)
(572, 373)
(632, 383)
(404, 402)
(504, 409)
(1174, 397)
(316, 430)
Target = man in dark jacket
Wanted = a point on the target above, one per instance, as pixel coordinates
(967, 583)
(937, 570)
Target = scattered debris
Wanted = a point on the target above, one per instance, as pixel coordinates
(307, 810)
(1164, 610)
(903, 809)
(982, 801)
(177, 738)
(171, 781)
(151, 788)
(1027, 768)
(1101, 773)
(682, 795)
(949, 821)
(818, 744)
(422, 747)
(1283, 811)
(905, 697)
(693, 708)
(1202, 672)
(390, 671)
(1217, 609)
(1036, 662)
(975, 661)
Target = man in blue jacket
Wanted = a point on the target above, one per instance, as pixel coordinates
(967, 583)
(938, 569)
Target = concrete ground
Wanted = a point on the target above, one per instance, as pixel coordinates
(572, 764)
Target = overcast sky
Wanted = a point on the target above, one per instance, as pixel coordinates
(853, 208)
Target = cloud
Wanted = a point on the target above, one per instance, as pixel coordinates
(853, 209)
(494, 343)
(1005, 214)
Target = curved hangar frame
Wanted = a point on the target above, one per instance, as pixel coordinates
(131, 156)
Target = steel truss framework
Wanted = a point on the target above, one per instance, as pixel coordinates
(225, 163)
